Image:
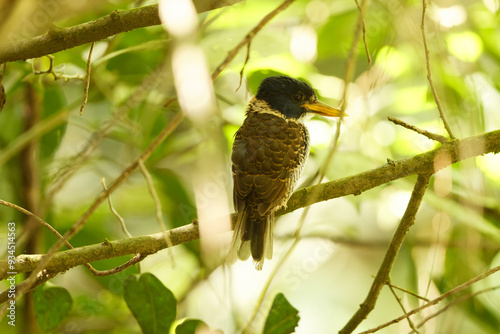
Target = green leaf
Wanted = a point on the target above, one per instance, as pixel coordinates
(254, 79)
(282, 318)
(153, 305)
(188, 327)
(52, 305)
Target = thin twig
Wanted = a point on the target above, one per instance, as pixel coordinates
(87, 81)
(430, 135)
(455, 302)
(244, 64)
(154, 195)
(136, 259)
(361, 12)
(392, 286)
(56, 75)
(249, 36)
(385, 268)
(400, 302)
(159, 211)
(34, 216)
(429, 73)
(117, 215)
(51, 67)
(435, 301)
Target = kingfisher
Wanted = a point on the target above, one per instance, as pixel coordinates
(268, 156)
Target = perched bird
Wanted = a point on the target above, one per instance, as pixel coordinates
(269, 153)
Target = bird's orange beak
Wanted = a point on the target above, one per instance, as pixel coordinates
(323, 109)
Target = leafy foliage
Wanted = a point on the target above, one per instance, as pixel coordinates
(153, 305)
(282, 318)
(52, 306)
(188, 326)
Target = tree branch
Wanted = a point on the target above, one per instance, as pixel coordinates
(353, 185)
(424, 163)
(119, 21)
(390, 256)
(64, 260)
(430, 135)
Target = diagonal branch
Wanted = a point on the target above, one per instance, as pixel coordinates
(430, 135)
(119, 21)
(390, 256)
(64, 260)
(419, 164)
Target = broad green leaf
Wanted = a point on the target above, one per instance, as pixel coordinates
(254, 79)
(52, 305)
(153, 304)
(282, 318)
(188, 327)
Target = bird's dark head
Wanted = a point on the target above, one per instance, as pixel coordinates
(292, 98)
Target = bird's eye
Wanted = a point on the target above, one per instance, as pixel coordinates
(299, 96)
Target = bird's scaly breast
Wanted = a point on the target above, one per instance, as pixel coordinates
(268, 156)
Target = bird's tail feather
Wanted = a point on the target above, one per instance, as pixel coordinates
(237, 240)
(252, 236)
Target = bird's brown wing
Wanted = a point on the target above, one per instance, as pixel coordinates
(267, 159)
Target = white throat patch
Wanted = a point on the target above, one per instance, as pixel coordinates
(259, 106)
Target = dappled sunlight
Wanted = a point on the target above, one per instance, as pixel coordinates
(179, 17)
(193, 83)
(303, 43)
(466, 46)
(449, 16)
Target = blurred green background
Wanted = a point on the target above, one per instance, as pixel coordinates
(343, 241)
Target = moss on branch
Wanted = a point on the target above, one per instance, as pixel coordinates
(119, 21)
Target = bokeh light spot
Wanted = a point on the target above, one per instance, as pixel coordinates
(303, 44)
(466, 46)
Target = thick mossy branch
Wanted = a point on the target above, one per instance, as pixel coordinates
(119, 21)
(425, 163)
(65, 260)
